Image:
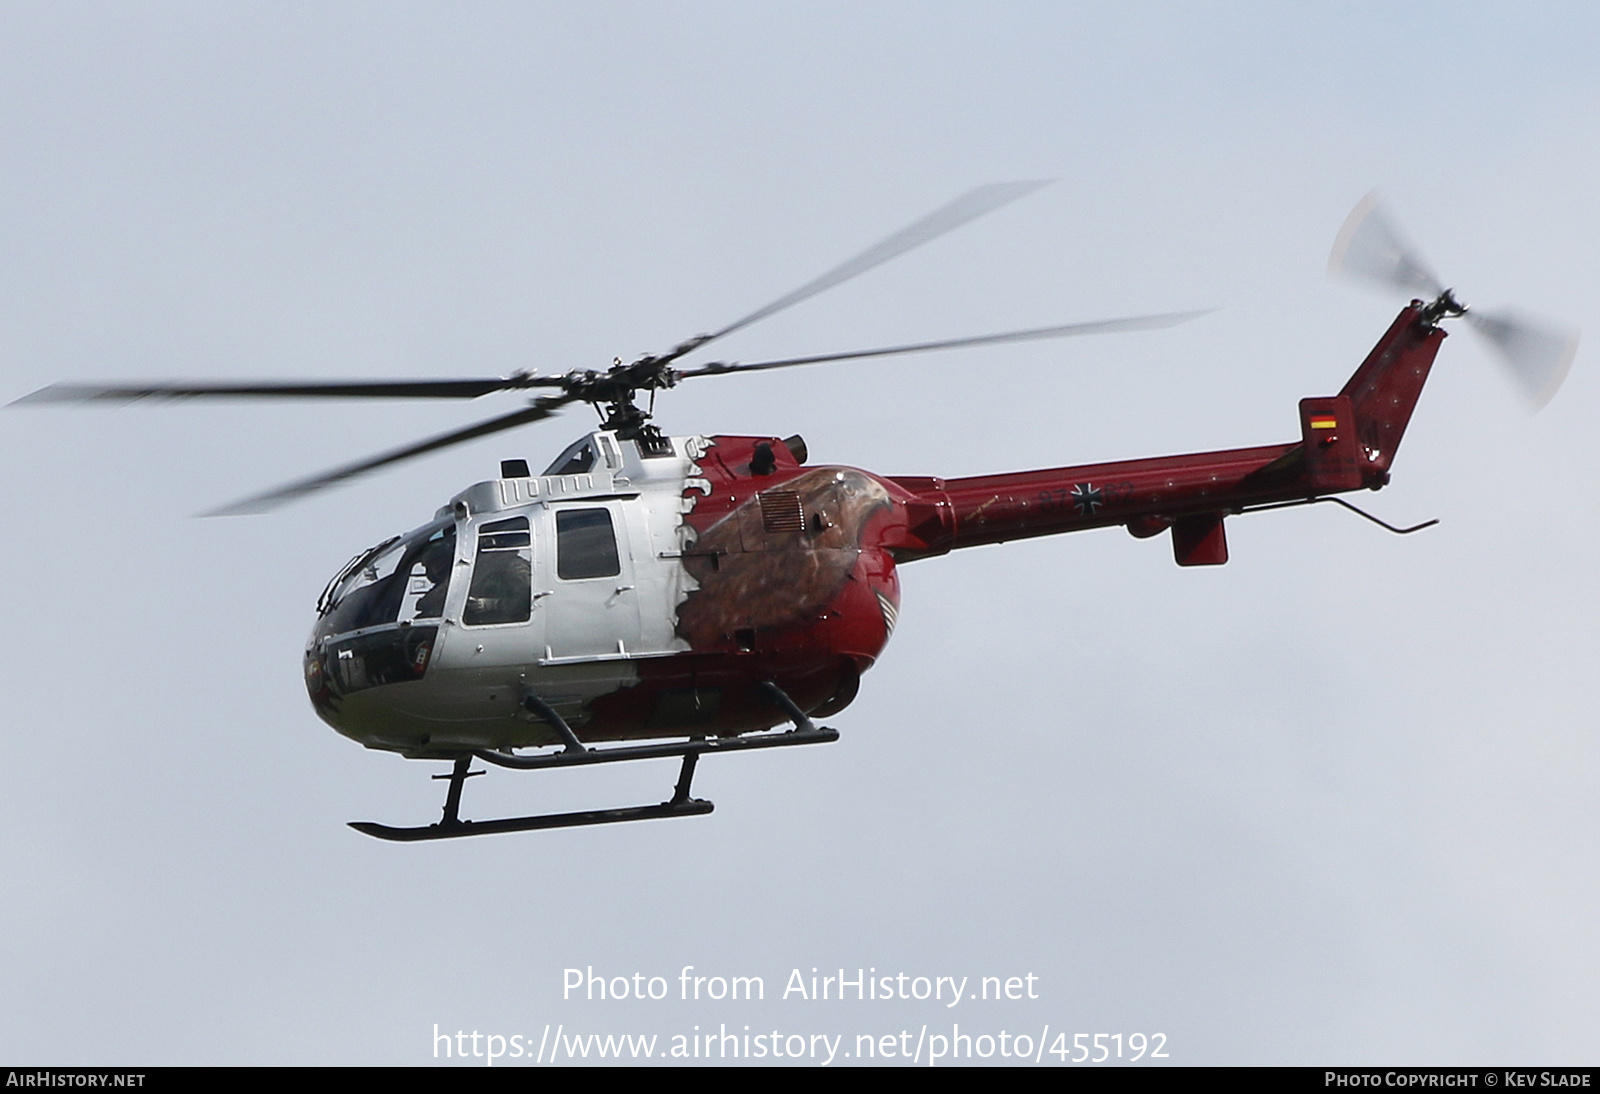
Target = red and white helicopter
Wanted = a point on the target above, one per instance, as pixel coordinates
(652, 596)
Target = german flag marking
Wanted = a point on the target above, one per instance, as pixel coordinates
(1324, 421)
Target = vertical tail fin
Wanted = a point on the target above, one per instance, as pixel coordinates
(1351, 438)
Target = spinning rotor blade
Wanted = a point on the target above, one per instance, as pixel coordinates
(969, 206)
(1103, 326)
(1538, 354)
(947, 218)
(312, 389)
(544, 407)
(1370, 247)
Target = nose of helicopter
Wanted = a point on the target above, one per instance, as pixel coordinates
(378, 620)
(337, 666)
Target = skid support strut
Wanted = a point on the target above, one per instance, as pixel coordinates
(458, 778)
(575, 754)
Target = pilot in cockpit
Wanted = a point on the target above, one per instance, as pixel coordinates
(436, 562)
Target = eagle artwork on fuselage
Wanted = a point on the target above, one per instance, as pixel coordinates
(642, 590)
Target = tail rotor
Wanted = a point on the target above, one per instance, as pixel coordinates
(1371, 248)
(1536, 352)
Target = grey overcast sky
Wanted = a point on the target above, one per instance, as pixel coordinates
(1332, 802)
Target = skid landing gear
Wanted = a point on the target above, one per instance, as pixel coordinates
(574, 754)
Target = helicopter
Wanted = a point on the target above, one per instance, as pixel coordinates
(651, 596)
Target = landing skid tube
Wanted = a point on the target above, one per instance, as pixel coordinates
(452, 829)
(451, 826)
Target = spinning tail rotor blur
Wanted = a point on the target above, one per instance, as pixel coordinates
(1536, 352)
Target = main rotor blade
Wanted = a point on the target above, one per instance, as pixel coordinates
(1369, 246)
(1537, 353)
(310, 389)
(969, 206)
(1102, 326)
(544, 407)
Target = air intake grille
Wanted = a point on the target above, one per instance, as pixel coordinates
(781, 511)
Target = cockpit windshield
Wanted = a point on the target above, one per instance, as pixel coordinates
(399, 580)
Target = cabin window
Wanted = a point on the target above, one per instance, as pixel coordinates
(502, 574)
(586, 545)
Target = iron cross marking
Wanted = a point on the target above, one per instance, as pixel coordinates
(1087, 499)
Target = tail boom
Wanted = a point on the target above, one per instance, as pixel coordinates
(1347, 443)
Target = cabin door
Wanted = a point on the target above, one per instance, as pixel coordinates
(587, 592)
